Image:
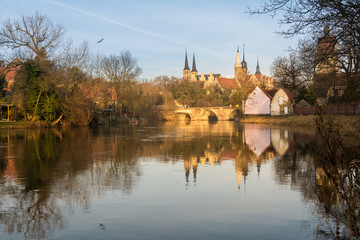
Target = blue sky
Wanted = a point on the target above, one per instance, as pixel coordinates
(158, 32)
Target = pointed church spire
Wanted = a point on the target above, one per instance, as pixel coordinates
(186, 61)
(237, 62)
(243, 63)
(244, 52)
(194, 64)
(257, 67)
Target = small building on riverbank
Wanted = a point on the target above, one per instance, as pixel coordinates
(282, 102)
(258, 102)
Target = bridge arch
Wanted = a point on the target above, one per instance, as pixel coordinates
(211, 116)
(234, 114)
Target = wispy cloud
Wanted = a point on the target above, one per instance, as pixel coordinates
(113, 21)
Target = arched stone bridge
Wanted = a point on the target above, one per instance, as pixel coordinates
(207, 113)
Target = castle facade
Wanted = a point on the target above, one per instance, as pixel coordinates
(242, 78)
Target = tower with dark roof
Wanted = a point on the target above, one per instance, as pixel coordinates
(243, 63)
(243, 69)
(186, 71)
(194, 71)
(257, 68)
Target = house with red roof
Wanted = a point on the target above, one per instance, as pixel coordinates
(228, 84)
(258, 102)
(100, 92)
(9, 73)
(282, 102)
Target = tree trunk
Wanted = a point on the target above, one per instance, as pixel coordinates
(36, 105)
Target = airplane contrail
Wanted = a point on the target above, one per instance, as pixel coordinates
(131, 27)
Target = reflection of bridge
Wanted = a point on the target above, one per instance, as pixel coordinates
(206, 113)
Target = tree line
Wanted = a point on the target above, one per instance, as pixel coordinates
(56, 81)
(61, 83)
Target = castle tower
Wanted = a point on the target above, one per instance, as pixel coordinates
(186, 71)
(257, 68)
(194, 71)
(326, 60)
(237, 66)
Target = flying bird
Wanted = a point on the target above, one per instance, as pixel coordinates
(100, 40)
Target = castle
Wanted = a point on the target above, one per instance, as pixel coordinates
(242, 77)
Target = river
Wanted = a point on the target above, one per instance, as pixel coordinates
(174, 180)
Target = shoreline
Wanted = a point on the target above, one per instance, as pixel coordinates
(343, 122)
(22, 125)
(299, 120)
(349, 126)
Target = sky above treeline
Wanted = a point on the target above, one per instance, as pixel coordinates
(158, 32)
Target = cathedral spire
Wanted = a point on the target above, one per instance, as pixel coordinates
(194, 64)
(257, 67)
(237, 62)
(186, 61)
(243, 63)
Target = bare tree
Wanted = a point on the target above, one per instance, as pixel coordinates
(94, 65)
(122, 71)
(34, 34)
(287, 72)
(76, 56)
(120, 68)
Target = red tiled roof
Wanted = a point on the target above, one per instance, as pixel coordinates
(9, 72)
(267, 94)
(228, 83)
(289, 94)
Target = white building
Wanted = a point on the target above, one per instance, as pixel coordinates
(282, 102)
(258, 102)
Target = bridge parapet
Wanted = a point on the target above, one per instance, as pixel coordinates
(204, 113)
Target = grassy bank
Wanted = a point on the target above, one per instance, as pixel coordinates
(22, 124)
(348, 125)
(289, 120)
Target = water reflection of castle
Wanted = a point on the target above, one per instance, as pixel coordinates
(257, 145)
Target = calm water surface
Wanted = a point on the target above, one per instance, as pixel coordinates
(172, 181)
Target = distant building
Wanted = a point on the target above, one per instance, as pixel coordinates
(329, 83)
(9, 73)
(326, 59)
(193, 75)
(242, 77)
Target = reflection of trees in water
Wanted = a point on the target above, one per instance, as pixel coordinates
(322, 173)
(33, 213)
(341, 171)
(296, 169)
(70, 166)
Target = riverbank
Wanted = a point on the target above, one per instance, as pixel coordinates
(348, 125)
(22, 124)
